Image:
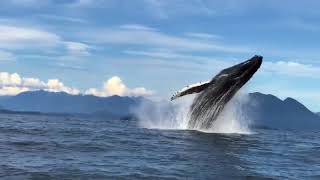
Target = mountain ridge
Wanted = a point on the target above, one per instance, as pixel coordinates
(264, 110)
(61, 102)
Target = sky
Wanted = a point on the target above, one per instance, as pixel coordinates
(155, 47)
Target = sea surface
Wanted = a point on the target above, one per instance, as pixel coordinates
(57, 147)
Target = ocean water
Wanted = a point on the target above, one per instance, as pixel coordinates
(55, 147)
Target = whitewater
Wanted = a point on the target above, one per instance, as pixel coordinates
(175, 115)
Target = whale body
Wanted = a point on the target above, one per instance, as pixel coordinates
(213, 95)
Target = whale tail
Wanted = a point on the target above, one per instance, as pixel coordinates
(191, 89)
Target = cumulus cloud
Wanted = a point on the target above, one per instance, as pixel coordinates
(12, 84)
(56, 86)
(115, 86)
(10, 90)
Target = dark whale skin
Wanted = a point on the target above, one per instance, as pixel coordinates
(209, 103)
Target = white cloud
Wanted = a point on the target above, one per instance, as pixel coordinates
(81, 3)
(292, 68)
(62, 18)
(17, 38)
(6, 56)
(174, 55)
(166, 54)
(137, 27)
(28, 2)
(33, 83)
(12, 84)
(7, 79)
(166, 9)
(24, 37)
(203, 35)
(11, 90)
(55, 85)
(115, 86)
(77, 48)
(147, 36)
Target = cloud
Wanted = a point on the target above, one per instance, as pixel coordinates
(115, 86)
(82, 3)
(56, 86)
(62, 18)
(137, 27)
(179, 8)
(165, 54)
(180, 59)
(6, 56)
(292, 69)
(19, 37)
(203, 35)
(77, 48)
(147, 36)
(11, 90)
(166, 9)
(28, 3)
(24, 40)
(12, 84)
(24, 37)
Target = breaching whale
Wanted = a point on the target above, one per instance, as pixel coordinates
(215, 94)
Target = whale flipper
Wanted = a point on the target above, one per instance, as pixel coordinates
(191, 89)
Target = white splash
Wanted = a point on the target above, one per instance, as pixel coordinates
(167, 115)
(232, 119)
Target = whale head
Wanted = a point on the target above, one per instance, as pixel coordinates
(231, 79)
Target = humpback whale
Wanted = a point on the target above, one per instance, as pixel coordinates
(213, 95)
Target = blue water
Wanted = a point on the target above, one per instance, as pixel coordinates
(52, 147)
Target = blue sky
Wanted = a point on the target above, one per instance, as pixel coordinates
(154, 47)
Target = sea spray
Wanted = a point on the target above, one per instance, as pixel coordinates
(168, 115)
(233, 118)
(164, 114)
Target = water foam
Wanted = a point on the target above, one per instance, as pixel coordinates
(167, 115)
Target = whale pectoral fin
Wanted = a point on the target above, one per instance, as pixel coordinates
(191, 89)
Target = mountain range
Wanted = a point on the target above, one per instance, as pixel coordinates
(61, 102)
(266, 110)
(263, 110)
